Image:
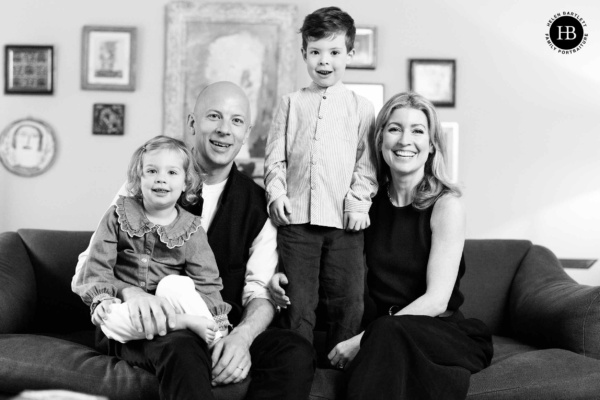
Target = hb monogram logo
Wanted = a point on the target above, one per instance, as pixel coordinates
(566, 34)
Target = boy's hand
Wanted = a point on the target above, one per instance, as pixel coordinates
(281, 210)
(277, 292)
(355, 221)
(101, 311)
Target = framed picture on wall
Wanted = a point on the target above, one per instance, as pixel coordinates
(365, 47)
(28, 69)
(109, 119)
(371, 91)
(253, 45)
(27, 147)
(450, 137)
(434, 79)
(108, 58)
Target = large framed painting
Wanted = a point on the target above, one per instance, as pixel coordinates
(253, 45)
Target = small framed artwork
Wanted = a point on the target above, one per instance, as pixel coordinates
(434, 79)
(109, 119)
(28, 69)
(450, 137)
(27, 147)
(365, 48)
(108, 58)
(371, 91)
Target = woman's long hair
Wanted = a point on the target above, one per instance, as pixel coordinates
(435, 182)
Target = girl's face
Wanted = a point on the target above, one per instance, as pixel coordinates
(406, 143)
(163, 178)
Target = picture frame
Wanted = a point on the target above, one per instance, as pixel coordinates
(253, 45)
(365, 48)
(435, 80)
(374, 92)
(108, 58)
(108, 119)
(451, 141)
(28, 69)
(28, 147)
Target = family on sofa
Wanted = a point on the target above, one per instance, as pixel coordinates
(178, 274)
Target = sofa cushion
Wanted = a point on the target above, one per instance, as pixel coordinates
(18, 294)
(54, 255)
(550, 309)
(522, 372)
(490, 268)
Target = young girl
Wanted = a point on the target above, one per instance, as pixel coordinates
(148, 241)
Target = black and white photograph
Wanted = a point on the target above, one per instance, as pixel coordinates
(300, 200)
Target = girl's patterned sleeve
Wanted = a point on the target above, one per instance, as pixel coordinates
(201, 267)
(96, 281)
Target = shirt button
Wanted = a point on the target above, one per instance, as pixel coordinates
(324, 97)
(320, 117)
(142, 284)
(148, 252)
(144, 260)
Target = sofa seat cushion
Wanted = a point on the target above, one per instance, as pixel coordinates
(519, 371)
(39, 362)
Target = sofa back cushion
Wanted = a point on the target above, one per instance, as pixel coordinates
(53, 255)
(490, 268)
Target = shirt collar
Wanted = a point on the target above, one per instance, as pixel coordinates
(133, 221)
(337, 88)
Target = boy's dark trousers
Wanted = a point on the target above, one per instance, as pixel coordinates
(283, 364)
(330, 258)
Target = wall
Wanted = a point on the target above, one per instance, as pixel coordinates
(529, 127)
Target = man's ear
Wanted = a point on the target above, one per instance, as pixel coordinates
(191, 123)
(247, 135)
(303, 51)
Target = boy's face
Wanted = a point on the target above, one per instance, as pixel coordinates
(326, 59)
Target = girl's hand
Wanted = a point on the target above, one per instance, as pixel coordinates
(277, 292)
(344, 352)
(102, 310)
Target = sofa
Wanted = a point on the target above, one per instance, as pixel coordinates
(546, 326)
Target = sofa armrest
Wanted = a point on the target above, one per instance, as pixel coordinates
(549, 309)
(18, 294)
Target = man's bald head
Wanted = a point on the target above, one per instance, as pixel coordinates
(221, 90)
(219, 126)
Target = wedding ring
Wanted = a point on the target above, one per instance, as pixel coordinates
(340, 365)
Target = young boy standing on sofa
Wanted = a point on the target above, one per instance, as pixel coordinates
(320, 177)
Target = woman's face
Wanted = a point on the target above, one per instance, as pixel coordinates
(406, 143)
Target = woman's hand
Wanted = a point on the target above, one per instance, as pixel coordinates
(102, 309)
(277, 292)
(344, 352)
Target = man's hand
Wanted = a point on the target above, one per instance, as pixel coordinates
(277, 292)
(280, 210)
(355, 221)
(231, 358)
(101, 311)
(149, 313)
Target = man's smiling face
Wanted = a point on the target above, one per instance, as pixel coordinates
(221, 122)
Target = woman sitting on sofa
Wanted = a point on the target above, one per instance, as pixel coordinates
(420, 345)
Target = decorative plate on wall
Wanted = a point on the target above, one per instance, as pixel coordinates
(27, 147)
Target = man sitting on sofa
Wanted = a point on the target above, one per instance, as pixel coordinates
(243, 239)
